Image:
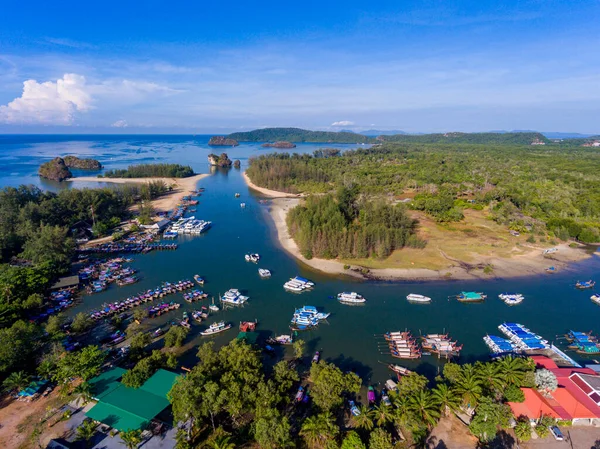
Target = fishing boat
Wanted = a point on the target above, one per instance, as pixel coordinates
(242, 205)
(371, 396)
(551, 269)
(583, 342)
(299, 394)
(197, 316)
(248, 326)
(596, 298)
(470, 297)
(215, 328)
(414, 297)
(252, 257)
(353, 408)
(284, 339)
(585, 284)
(234, 297)
(264, 273)
(204, 312)
(237, 195)
(199, 279)
(316, 357)
(511, 298)
(351, 298)
(399, 370)
(213, 307)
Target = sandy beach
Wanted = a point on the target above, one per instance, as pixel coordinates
(181, 188)
(532, 262)
(267, 192)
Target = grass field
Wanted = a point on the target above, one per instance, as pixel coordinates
(470, 241)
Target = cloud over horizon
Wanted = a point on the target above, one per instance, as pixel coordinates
(342, 123)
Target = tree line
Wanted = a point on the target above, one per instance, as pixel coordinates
(151, 171)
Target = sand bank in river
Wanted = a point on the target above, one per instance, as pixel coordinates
(530, 262)
(168, 201)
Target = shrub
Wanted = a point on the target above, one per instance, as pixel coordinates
(530, 239)
(523, 429)
(512, 393)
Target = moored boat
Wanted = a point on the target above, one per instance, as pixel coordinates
(199, 279)
(470, 297)
(216, 328)
(264, 273)
(414, 297)
(351, 298)
(585, 284)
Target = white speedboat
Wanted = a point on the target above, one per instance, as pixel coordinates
(252, 257)
(511, 298)
(264, 273)
(351, 298)
(413, 297)
(215, 328)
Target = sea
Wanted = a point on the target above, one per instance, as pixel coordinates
(352, 336)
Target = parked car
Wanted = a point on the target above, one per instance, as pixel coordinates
(556, 433)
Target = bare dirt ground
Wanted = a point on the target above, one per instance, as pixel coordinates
(451, 433)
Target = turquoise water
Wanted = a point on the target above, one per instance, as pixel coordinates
(552, 305)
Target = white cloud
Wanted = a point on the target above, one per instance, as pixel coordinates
(49, 103)
(120, 124)
(343, 123)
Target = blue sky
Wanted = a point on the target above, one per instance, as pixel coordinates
(418, 66)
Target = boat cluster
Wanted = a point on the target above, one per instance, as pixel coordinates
(252, 257)
(522, 338)
(234, 297)
(402, 345)
(166, 289)
(583, 342)
(199, 315)
(440, 344)
(195, 295)
(499, 345)
(351, 298)
(60, 301)
(188, 225)
(298, 284)
(162, 308)
(307, 317)
(103, 272)
(113, 248)
(511, 298)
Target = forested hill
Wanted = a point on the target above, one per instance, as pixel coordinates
(476, 138)
(299, 135)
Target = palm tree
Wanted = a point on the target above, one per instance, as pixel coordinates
(83, 392)
(318, 429)
(46, 369)
(16, 381)
(403, 416)
(491, 376)
(364, 420)
(383, 414)
(446, 398)
(468, 386)
(222, 442)
(423, 404)
(513, 369)
(131, 438)
(86, 431)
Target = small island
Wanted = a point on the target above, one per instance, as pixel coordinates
(58, 168)
(280, 144)
(82, 164)
(219, 161)
(55, 170)
(222, 141)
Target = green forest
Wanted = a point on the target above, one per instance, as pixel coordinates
(521, 138)
(528, 188)
(151, 171)
(342, 225)
(299, 135)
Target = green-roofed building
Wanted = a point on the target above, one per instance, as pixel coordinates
(249, 337)
(126, 408)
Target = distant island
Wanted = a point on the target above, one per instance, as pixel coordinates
(58, 168)
(299, 135)
(221, 141)
(151, 171)
(219, 161)
(280, 144)
(517, 138)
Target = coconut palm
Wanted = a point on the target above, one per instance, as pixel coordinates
(221, 442)
(446, 398)
(131, 438)
(85, 432)
(403, 415)
(468, 386)
(318, 429)
(46, 369)
(383, 414)
(513, 369)
(364, 420)
(83, 392)
(424, 406)
(16, 381)
(492, 378)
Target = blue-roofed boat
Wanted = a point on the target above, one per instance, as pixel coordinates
(583, 342)
(498, 345)
(585, 284)
(523, 338)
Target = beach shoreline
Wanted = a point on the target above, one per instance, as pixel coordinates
(168, 201)
(531, 263)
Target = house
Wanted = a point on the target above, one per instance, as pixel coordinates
(159, 226)
(81, 231)
(577, 398)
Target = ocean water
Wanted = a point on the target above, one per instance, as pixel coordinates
(352, 335)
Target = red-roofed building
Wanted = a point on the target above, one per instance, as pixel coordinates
(577, 398)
